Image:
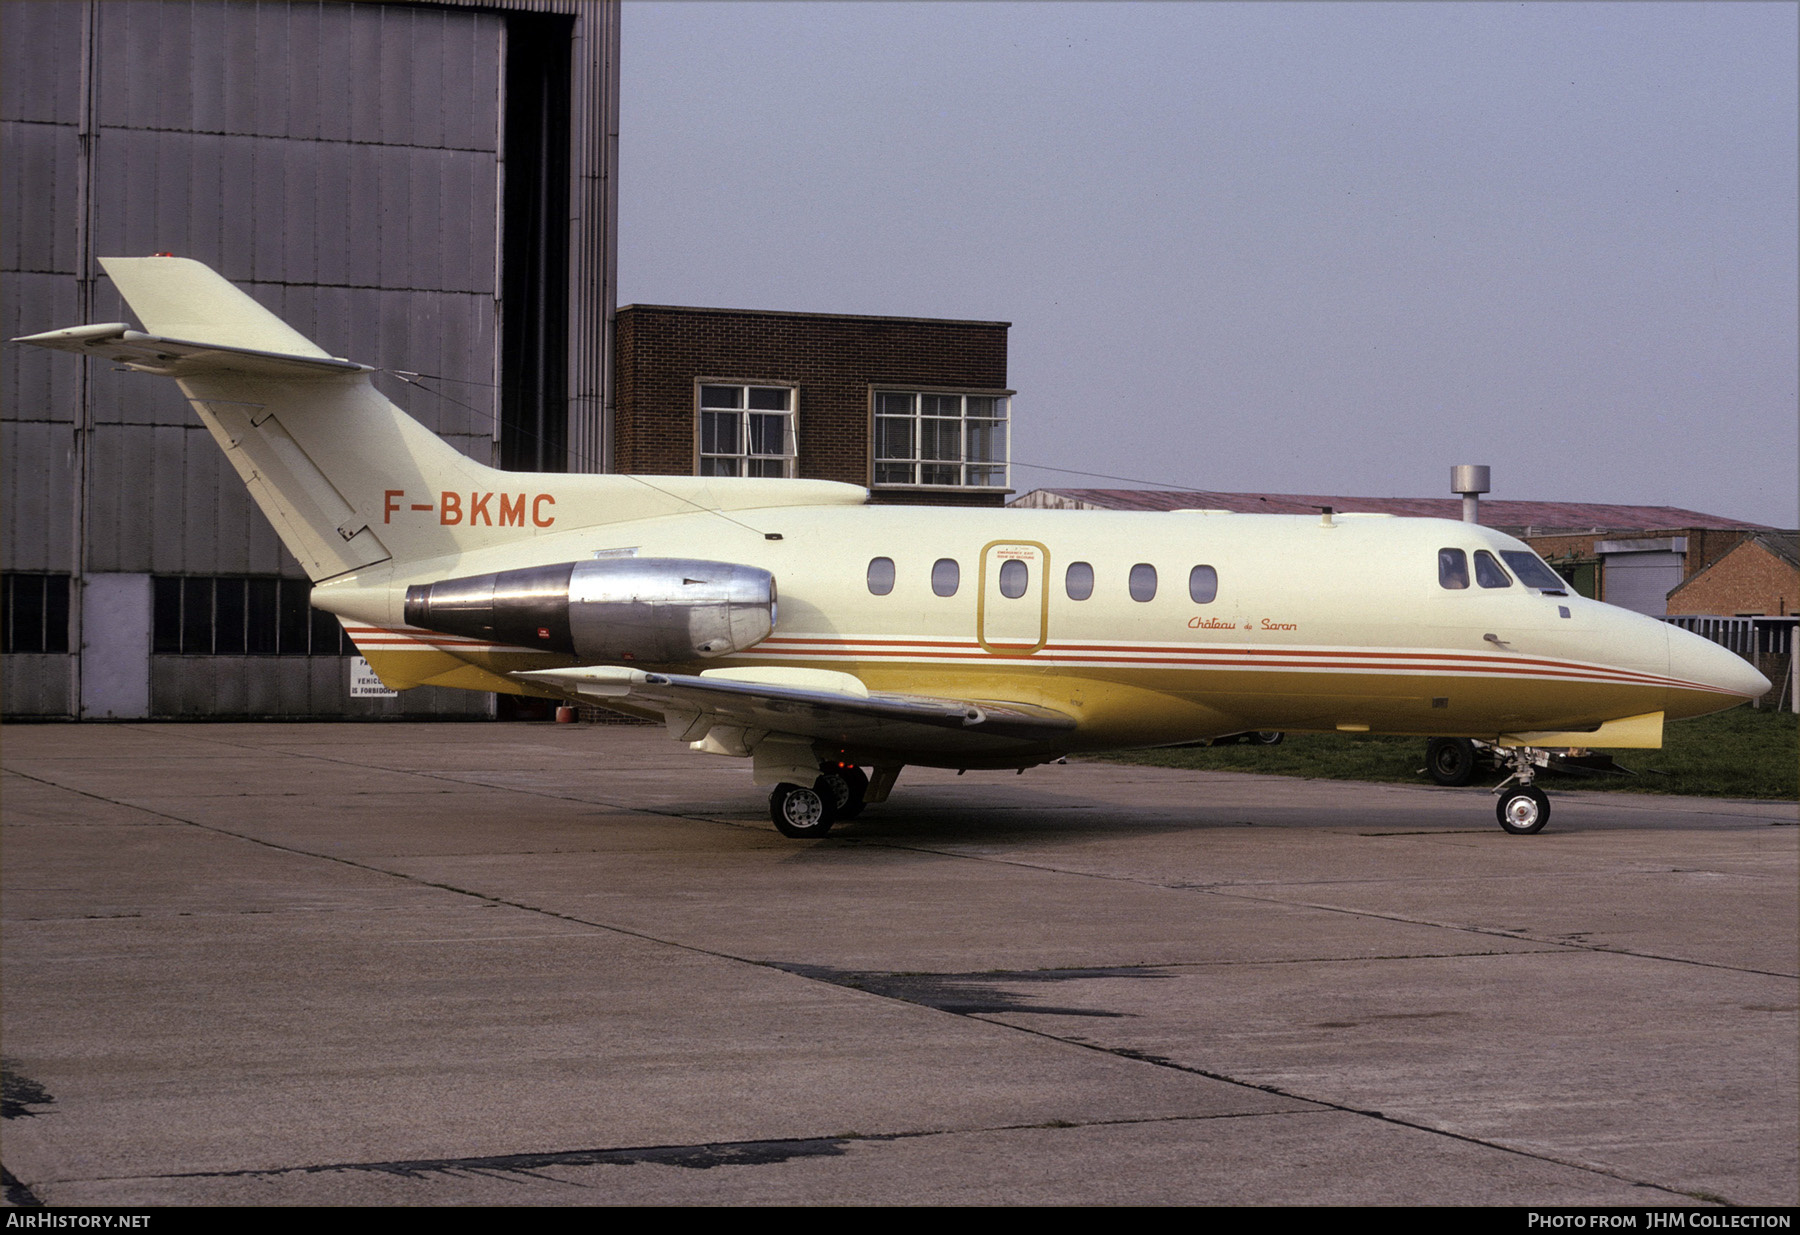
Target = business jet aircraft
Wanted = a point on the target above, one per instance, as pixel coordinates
(950, 638)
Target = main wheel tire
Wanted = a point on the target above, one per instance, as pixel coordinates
(1267, 737)
(848, 785)
(1450, 761)
(802, 812)
(1523, 810)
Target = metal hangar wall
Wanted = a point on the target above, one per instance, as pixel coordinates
(425, 187)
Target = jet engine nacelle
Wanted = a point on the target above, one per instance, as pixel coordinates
(647, 609)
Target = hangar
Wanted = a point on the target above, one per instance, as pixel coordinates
(429, 188)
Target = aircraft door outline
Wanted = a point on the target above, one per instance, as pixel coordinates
(1017, 624)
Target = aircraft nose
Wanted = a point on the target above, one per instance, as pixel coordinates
(1712, 667)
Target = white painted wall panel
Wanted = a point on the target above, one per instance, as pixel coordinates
(115, 647)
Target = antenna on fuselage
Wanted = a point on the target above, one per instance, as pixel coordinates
(1471, 481)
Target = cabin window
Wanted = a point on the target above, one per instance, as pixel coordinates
(1203, 585)
(1488, 572)
(881, 575)
(746, 430)
(946, 575)
(1079, 581)
(1143, 582)
(1014, 574)
(1453, 569)
(1533, 573)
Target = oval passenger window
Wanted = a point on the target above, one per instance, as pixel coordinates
(1143, 582)
(946, 575)
(1203, 585)
(1013, 576)
(1079, 581)
(881, 575)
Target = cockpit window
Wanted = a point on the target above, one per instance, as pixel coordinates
(1533, 573)
(1488, 572)
(1453, 569)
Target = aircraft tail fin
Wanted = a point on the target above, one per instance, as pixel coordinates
(329, 459)
(178, 298)
(348, 479)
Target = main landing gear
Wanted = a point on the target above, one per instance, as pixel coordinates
(808, 812)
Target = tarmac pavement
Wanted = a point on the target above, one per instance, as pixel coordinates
(537, 964)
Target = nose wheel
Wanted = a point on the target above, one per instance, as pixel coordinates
(1523, 809)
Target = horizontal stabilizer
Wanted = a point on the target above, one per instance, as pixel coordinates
(116, 342)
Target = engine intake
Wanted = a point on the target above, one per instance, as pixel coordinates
(660, 610)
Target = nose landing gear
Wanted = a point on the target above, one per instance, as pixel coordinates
(1523, 808)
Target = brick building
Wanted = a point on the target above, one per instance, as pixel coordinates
(1759, 577)
(915, 409)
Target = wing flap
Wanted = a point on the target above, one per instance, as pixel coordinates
(840, 713)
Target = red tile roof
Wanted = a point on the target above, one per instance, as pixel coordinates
(1497, 514)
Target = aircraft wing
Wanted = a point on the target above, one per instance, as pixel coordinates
(728, 710)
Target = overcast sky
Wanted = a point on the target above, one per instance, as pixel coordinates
(1275, 247)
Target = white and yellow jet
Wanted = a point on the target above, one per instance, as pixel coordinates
(945, 637)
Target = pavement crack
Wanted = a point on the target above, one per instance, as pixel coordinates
(1239, 892)
(1264, 1087)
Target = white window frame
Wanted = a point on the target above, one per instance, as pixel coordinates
(783, 461)
(886, 470)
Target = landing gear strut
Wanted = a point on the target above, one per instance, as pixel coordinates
(1523, 808)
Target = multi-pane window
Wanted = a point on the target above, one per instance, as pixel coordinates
(940, 439)
(34, 611)
(746, 430)
(234, 615)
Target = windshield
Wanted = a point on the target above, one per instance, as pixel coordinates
(1532, 572)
